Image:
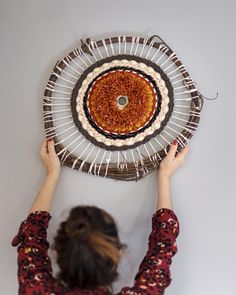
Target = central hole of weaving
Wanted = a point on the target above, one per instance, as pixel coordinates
(122, 100)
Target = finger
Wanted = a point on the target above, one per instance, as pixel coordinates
(43, 149)
(172, 150)
(183, 153)
(44, 143)
(51, 147)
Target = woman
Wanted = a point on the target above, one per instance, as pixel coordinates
(87, 243)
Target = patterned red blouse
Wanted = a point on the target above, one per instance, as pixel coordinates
(34, 265)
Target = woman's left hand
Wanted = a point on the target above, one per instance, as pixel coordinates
(49, 157)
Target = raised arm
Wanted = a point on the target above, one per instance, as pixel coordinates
(154, 276)
(43, 200)
(34, 264)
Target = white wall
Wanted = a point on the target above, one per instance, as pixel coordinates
(33, 35)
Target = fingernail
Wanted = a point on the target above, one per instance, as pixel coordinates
(49, 140)
(174, 142)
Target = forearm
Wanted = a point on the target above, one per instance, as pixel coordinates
(43, 200)
(164, 197)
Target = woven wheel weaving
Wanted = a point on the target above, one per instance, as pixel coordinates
(114, 106)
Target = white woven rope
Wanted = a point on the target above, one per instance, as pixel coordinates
(105, 46)
(186, 121)
(135, 164)
(185, 128)
(51, 85)
(56, 104)
(64, 79)
(119, 42)
(126, 161)
(118, 160)
(108, 160)
(49, 113)
(97, 47)
(174, 77)
(70, 59)
(165, 139)
(57, 119)
(58, 91)
(180, 134)
(47, 98)
(132, 44)
(112, 48)
(65, 72)
(54, 134)
(78, 52)
(67, 146)
(93, 162)
(105, 151)
(151, 46)
(80, 156)
(144, 44)
(172, 56)
(64, 139)
(181, 80)
(144, 168)
(173, 138)
(73, 150)
(124, 40)
(91, 47)
(154, 156)
(137, 45)
(72, 68)
(149, 156)
(56, 127)
(163, 54)
(160, 47)
(192, 113)
(82, 164)
(180, 68)
(160, 144)
(175, 59)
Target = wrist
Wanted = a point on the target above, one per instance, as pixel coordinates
(164, 175)
(54, 175)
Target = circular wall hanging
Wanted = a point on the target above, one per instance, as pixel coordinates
(114, 106)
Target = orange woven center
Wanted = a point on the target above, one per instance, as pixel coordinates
(105, 110)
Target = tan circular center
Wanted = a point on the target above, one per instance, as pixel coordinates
(121, 102)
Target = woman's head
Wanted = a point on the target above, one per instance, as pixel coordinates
(88, 248)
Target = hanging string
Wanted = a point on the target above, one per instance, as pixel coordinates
(153, 36)
(217, 93)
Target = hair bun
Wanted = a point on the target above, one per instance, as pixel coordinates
(78, 229)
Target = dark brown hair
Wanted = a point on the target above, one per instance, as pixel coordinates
(88, 248)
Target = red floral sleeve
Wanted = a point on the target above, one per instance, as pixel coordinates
(34, 264)
(154, 276)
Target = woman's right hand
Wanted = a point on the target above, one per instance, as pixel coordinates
(171, 162)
